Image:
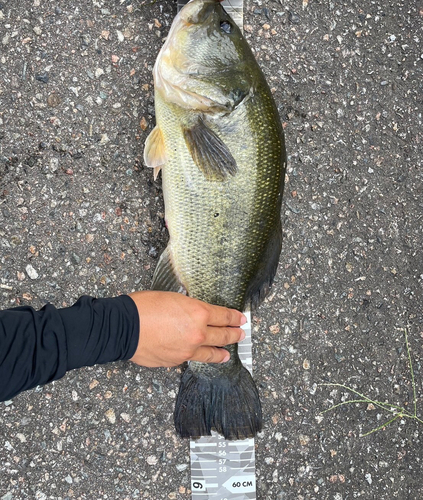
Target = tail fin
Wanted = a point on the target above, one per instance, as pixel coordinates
(224, 400)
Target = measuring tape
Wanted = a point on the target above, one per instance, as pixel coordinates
(222, 469)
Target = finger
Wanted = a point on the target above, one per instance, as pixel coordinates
(221, 336)
(211, 355)
(222, 316)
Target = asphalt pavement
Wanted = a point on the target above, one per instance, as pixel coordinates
(81, 214)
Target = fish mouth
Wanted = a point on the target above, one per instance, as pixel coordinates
(198, 11)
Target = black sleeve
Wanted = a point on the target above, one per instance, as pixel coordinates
(37, 347)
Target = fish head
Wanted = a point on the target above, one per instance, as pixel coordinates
(204, 63)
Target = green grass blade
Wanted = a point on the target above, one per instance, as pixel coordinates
(396, 411)
(381, 404)
(345, 403)
(411, 371)
(381, 426)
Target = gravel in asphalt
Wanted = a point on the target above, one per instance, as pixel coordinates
(80, 214)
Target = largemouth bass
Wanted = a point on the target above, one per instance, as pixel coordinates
(220, 146)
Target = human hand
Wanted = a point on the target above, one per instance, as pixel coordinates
(175, 328)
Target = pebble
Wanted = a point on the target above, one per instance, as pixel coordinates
(31, 272)
(274, 329)
(110, 415)
(294, 18)
(143, 123)
(153, 252)
(42, 77)
(8, 496)
(53, 100)
(76, 259)
(21, 437)
(85, 39)
(157, 386)
(278, 437)
(182, 467)
(304, 440)
(152, 460)
(94, 383)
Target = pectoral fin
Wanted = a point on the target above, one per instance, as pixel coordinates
(154, 151)
(209, 152)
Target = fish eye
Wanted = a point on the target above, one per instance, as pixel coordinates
(226, 27)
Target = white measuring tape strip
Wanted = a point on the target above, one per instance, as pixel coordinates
(222, 469)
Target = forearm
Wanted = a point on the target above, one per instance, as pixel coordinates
(37, 347)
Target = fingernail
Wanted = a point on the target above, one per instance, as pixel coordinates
(244, 320)
(242, 337)
(226, 358)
